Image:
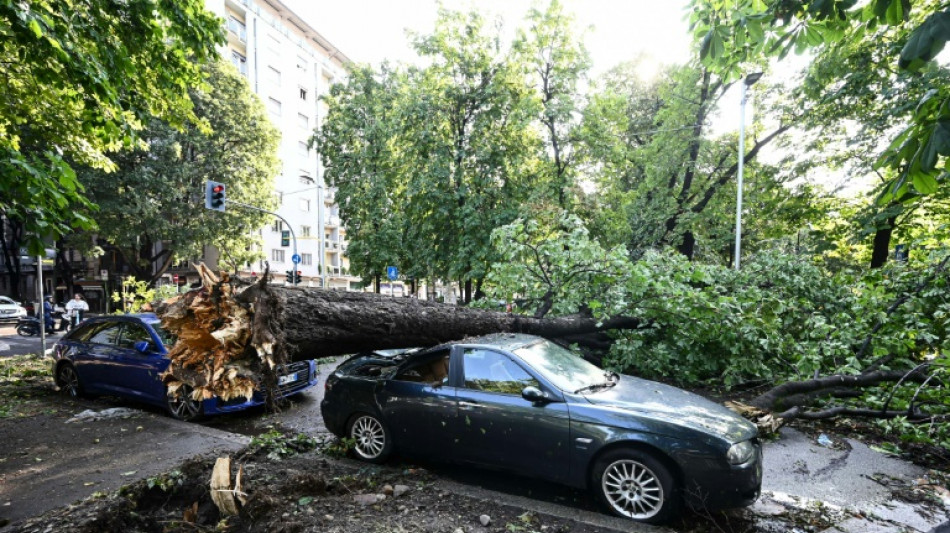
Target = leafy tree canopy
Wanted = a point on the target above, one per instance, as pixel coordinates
(80, 78)
(156, 194)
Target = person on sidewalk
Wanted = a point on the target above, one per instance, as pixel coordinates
(75, 310)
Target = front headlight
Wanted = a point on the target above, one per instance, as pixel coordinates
(740, 453)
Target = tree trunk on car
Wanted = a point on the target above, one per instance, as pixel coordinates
(233, 336)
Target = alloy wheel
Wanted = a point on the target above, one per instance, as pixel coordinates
(182, 406)
(632, 489)
(69, 381)
(370, 437)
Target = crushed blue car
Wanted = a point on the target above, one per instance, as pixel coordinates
(124, 355)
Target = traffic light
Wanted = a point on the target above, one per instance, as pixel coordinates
(291, 276)
(297, 278)
(285, 238)
(215, 195)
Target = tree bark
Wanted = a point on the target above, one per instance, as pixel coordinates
(882, 244)
(320, 323)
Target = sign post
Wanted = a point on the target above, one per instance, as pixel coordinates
(392, 273)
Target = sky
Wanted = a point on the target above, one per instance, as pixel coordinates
(370, 31)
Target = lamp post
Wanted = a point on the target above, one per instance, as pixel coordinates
(746, 83)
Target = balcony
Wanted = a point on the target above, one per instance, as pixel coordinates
(329, 197)
(331, 221)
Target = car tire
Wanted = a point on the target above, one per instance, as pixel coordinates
(634, 484)
(68, 381)
(373, 442)
(181, 405)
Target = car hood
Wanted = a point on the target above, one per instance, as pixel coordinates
(660, 401)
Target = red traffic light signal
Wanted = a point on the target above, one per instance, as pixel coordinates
(215, 195)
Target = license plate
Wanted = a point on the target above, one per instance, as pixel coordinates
(286, 378)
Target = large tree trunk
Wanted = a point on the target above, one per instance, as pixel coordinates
(233, 337)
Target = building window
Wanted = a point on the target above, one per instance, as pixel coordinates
(302, 149)
(306, 259)
(273, 76)
(303, 94)
(277, 256)
(237, 27)
(303, 121)
(304, 231)
(304, 204)
(277, 226)
(240, 62)
(273, 107)
(302, 63)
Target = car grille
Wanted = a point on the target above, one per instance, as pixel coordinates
(302, 369)
(7, 311)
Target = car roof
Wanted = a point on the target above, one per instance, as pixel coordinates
(148, 318)
(503, 341)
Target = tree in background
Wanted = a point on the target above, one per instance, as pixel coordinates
(556, 64)
(79, 80)
(358, 147)
(891, 40)
(151, 208)
(658, 166)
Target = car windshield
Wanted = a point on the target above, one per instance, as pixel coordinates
(167, 338)
(6, 301)
(563, 368)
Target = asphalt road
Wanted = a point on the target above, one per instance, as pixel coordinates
(13, 344)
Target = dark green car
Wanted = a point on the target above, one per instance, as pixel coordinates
(528, 405)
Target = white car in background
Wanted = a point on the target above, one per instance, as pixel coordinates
(10, 311)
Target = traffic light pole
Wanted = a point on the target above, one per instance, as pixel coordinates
(293, 235)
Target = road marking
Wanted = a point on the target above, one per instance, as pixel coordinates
(4, 346)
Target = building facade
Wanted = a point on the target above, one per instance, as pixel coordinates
(290, 65)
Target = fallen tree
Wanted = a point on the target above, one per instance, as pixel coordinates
(233, 335)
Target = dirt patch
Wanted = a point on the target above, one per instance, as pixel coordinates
(305, 492)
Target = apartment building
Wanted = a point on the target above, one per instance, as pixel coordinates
(290, 65)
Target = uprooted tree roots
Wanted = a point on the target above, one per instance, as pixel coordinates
(229, 343)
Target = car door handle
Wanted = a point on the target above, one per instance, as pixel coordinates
(469, 405)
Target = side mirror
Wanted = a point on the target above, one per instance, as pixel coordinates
(534, 395)
(142, 346)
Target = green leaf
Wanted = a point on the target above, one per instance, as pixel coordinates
(35, 28)
(924, 183)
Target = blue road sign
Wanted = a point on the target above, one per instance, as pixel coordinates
(295, 258)
(392, 273)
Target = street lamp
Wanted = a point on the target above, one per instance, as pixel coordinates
(746, 83)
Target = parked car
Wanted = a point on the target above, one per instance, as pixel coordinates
(525, 404)
(10, 311)
(123, 355)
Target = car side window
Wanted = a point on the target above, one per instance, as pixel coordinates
(134, 333)
(434, 369)
(494, 372)
(85, 331)
(107, 335)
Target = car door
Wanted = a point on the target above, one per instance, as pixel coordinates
(500, 428)
(136, 373)
(418, 406)
(76, 348)
(98, 368)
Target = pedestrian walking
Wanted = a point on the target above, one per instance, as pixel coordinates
(75, 310)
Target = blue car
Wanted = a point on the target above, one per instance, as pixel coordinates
(123, 355)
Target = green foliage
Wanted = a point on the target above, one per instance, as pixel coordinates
(780, 318)
(137, 295)
(732, 34)
(77, 91)
(167, 482)
(553, 267)
(277, 445)
(156, 193)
